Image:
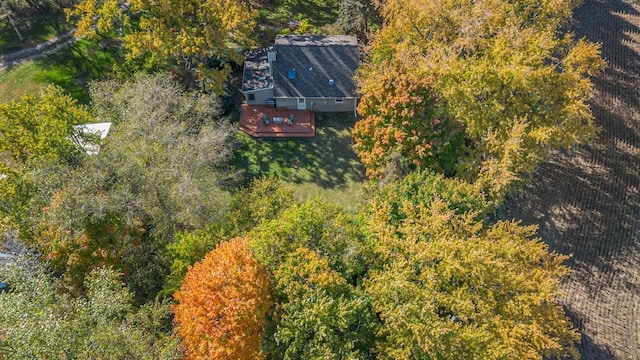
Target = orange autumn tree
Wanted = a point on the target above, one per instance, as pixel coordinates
(403, 120)
(223, 303)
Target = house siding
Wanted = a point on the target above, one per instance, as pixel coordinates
(261, 96)
(319, 104)
(287, 103)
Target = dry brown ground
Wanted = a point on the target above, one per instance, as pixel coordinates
(587, 201)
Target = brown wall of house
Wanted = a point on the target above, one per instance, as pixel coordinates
(261, 97)
(319, 104)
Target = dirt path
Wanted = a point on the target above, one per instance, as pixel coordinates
(587, 202)
(38, 51)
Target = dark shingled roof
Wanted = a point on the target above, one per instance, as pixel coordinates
(316, 60)
(256, 71)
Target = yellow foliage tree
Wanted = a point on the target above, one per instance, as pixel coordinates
(223, 303)
(196, 34)
(39, 128)
(501, 70)
(447, 286)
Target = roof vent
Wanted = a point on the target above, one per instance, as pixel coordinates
(292, 74)
(331, 82)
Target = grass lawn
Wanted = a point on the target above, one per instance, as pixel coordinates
(317, 12)
(325, 166)
(34, 29)
(70, 68)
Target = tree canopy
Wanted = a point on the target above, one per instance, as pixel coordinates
(195, 34)
(160, 171)
(39, 320)
(401, 114)
(320, 315)
(36, 130)
(357, 16)
(501, 69)
(317, 226)
(460, 100)
(39, 128)
(447, 285)
(223, 303)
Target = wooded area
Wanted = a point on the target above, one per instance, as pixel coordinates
(157, 242)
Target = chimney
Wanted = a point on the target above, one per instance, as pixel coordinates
(271, 55)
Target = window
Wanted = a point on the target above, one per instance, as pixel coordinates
(252, 97)
(339, 100)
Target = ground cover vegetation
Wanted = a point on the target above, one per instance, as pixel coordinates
(36, 21)
(420, 270)
(70, 68)
(324, 166)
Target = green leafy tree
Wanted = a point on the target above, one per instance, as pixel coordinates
(395, 200)
(39, 128)
(321, 316)
(319, 227)
(196, 34)
(35, 130)
(265, 199)
(318, 255)
(357, 16)
(159, 172)
(39, 320)
(446, 285)
(188, 248)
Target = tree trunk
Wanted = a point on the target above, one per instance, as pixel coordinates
(11, 20)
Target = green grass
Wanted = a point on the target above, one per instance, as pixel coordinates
(325, 166)
(34, 29)
(317, 12)
(69, 68)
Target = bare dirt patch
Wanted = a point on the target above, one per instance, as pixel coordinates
(587, 201)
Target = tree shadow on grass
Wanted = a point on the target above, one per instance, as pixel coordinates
(327, 160)
(34, 28)
(317, 12)
(587, 201)
(74, 65)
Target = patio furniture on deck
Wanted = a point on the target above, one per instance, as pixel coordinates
(266, 120)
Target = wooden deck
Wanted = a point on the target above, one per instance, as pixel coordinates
(251, 122)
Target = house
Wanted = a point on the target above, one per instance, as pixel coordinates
(304, 72)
